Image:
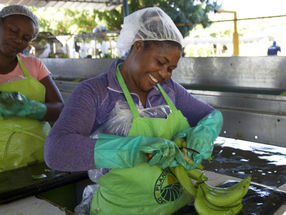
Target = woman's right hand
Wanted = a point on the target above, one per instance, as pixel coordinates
(113, 151)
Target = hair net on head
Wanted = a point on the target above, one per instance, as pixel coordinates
(150, 23)
(20, 10)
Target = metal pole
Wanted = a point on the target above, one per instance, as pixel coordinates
(125, 6)
(235, 37)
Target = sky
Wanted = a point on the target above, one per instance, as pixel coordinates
(254, 8)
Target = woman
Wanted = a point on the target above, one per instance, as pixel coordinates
(136, 178)
(29, 97)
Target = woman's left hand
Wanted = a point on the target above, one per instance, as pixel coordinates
(201, 137)
(16, 104)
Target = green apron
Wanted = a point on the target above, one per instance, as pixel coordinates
(143, 189)
(21, 138)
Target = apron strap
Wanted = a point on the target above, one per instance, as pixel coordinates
(23, 68)
(166, 97)
(127, 95)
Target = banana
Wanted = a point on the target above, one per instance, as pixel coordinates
(184, 180)
(200, 166)
(224, 199)
(237, 209)
(189, 160)
(227, 197)
(180, 142)
(204, 208)
(247, 180)
(197, 175)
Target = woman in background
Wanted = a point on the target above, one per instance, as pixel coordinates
(29, 98)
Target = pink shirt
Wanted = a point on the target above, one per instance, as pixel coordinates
(34, 66)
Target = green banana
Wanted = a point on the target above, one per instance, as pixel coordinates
(197, 175)
(227, 189)
(184, 180)
(209, 200)
(205, 208)
(227, 197)
(180, 142)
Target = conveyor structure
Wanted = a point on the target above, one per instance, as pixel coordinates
(246, 89)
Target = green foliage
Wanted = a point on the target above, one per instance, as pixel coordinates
(112, 19)
(213, 34)
(185, 13)
(227, 33)
(66, 21)
(85, 19)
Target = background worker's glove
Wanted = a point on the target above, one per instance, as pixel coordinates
(113, 151)
(16, 104)
(201, 137)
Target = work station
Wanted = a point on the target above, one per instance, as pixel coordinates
(247, 90)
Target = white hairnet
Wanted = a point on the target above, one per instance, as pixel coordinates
(150, 23)
(20, 10)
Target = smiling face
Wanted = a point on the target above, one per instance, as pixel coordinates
(16, 32)
(150, 63)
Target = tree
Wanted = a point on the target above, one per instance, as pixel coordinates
(65, 21)
(185, 13)
(188, 12)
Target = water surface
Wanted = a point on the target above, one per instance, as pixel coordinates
(266, 164)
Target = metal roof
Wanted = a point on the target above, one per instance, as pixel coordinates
(71, 4)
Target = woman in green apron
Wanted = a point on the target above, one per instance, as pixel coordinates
(28, 96)
(129, 180)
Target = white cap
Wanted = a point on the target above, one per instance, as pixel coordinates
(150, 23)
(20, 10)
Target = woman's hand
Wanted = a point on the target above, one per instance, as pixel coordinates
(201, 137)
(113, 151)
(16, 104)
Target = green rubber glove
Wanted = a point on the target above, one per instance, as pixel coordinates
(201, 137)
(16, 104)
(113, 151)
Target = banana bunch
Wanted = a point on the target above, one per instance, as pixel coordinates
(216, 200)
(210, 200)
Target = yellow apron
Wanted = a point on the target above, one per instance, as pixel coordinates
(21, 138)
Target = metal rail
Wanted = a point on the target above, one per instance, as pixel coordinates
(245, 89)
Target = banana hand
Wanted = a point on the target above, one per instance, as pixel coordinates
(224, 197)
(210, 199)
(203, 207)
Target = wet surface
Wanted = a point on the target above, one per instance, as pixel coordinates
(33, 179)
(265, 164)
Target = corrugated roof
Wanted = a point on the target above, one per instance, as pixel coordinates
(71, 4)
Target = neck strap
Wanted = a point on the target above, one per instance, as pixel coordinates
(23, 68)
